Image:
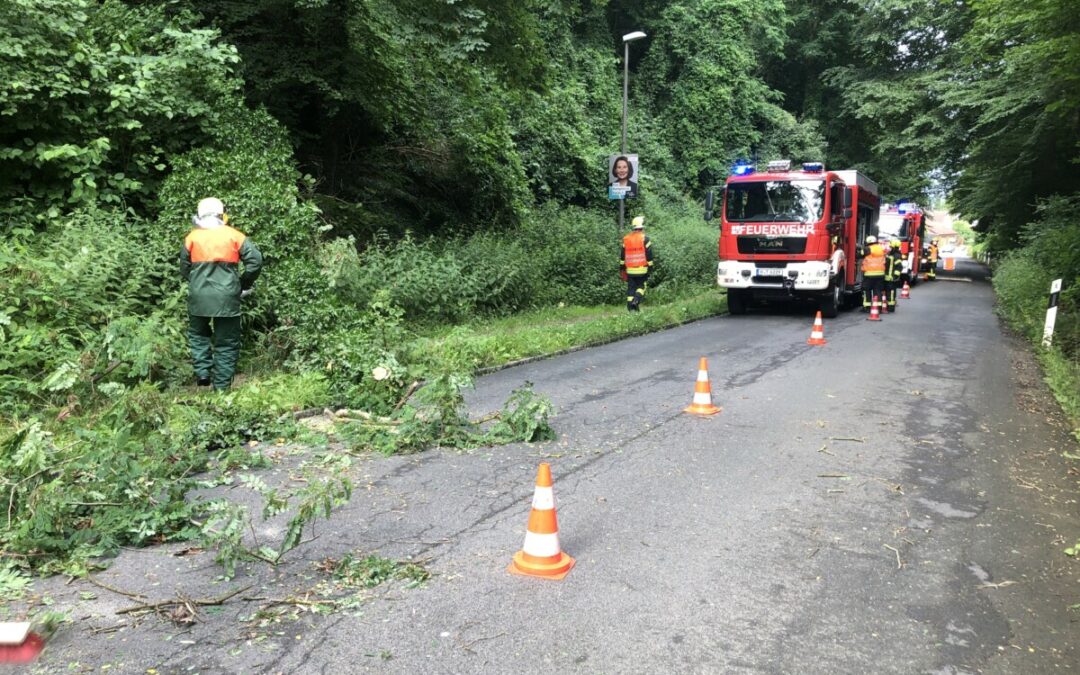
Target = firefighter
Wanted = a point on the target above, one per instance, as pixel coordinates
(636, 259)
(873, 269)
(209, 261)
(931, 270)
(894, 269)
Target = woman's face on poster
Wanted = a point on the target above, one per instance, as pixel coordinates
(621, 169)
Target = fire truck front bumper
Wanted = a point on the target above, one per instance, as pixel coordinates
(794, 276)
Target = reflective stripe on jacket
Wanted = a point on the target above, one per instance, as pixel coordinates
(873, 265)
(637, 253)
(894, 265)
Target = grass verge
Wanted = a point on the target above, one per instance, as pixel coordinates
(484, 345)
(1063, 378)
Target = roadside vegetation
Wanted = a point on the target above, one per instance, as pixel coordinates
(1022, 281)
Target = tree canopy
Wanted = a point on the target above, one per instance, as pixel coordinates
(461, 115)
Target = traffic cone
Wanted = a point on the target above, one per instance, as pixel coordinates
(875, 311)
(541, 555)
(905, 292)
(702, 404)
(817, 333)
(18, 644)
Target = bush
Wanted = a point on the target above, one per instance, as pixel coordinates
(86, 303)
(1022, 282)
(248, 164)
(96, 96)
(574, 256)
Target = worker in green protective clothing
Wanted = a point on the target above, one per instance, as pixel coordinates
(210, 263)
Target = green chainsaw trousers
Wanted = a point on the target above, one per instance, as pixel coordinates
(215, 347)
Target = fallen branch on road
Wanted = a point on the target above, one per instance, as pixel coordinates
(1003, 584)
(899, 565)
(182, 609)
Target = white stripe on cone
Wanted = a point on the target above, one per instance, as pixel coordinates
(702, 398)
(543, 499)
(542, 545)
(702, 376)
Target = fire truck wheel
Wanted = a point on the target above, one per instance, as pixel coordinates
(830, 304)
(736, 301)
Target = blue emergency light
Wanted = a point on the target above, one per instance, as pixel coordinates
(813, 167)
(742, 169)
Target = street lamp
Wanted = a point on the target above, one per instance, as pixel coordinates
(627, 39)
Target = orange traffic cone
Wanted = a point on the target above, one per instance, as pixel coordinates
(875, 311)
(541, 555)
(702, 404)
(18, 644)
(905, 292)
(817, 333)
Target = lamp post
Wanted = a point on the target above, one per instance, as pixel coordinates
(627, 39)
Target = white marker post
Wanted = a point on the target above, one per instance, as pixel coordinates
(1051, 313)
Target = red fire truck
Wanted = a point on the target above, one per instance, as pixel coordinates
(790, 235)
(905, 221)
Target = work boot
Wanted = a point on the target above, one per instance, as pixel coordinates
(202, 381)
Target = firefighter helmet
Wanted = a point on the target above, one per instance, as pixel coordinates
(871, 239)
(638, 223)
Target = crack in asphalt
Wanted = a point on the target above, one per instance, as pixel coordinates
(515, 501)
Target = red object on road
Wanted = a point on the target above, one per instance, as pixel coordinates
(26, 652)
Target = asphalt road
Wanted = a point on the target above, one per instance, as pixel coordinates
(892, 502)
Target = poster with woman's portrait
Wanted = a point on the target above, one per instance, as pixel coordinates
(622, 176)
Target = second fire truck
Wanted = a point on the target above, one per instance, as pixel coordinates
(907, 222)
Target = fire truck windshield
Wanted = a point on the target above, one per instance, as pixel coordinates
(894, 227)
(776, 200)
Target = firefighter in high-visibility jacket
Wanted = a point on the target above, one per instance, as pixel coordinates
(894, 270)
(931, 271)
(873, 269)
(209, 261)
(635, 262)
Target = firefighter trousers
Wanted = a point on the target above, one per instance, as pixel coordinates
(635, 290)
(872, 286)
(891, 286)
(215, 347)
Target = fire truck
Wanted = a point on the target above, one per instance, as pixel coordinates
(907, 222)
(794, 234)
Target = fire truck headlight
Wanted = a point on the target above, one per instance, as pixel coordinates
(746, 273)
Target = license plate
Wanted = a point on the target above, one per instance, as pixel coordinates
(770, 271)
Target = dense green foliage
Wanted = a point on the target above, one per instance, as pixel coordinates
(977, 99)
(97, 96)
(1022, 281)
